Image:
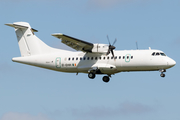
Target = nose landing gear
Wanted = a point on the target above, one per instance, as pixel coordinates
(162, 74)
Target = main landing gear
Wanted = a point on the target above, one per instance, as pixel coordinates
(162, 74)
(92, 75)
(106, 79)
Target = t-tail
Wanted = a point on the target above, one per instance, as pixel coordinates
(29, 43)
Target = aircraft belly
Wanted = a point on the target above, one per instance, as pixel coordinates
(108, 71)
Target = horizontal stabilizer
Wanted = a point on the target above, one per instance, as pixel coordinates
(20, 26)
(16, 26)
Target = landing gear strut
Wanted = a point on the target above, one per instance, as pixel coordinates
(162, 74)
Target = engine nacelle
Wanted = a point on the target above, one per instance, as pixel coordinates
(100, 48)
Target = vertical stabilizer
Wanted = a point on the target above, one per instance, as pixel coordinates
(29, 44)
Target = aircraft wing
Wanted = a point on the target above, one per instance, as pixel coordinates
(75, 43)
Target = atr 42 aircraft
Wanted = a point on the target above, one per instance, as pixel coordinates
(94, 58)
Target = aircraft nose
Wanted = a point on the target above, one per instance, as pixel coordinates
(172, 63)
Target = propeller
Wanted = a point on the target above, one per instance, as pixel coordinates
(111, 47)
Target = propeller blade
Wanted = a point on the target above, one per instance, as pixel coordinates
(108, 40)
(114, 41)
(112, 53)
(108, 52)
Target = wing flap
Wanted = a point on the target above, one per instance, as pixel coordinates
(74, 43)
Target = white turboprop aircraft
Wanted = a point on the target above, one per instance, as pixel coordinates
(94, 58)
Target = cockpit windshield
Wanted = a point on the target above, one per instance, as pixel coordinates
(158, 54)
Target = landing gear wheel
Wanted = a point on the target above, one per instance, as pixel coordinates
(162, 75)
(105, 79)
(91, 75)
(162, 72)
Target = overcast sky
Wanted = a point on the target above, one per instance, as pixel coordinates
(30, 93)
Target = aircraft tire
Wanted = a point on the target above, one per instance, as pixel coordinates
(162, 75)
(91, 75)
(106, 79)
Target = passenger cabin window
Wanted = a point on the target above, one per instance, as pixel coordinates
(91, 58)
(119, 57)
(131, 57)
(100, 58)
(81, 58)
(77, 58)
(84, 58)
(95, 58)
(69, 59)
(112, 57)
(87, 58)
(115, 57)
(123, 57)
(104, 58)
(72, 58)
(107, 57)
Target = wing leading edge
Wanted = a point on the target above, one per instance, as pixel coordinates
(75, 43)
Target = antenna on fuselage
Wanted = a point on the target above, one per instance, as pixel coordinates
(137, 45)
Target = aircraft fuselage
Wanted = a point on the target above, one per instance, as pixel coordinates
(79, 62)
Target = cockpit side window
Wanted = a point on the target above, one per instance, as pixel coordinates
(162, 54)
(153, 53)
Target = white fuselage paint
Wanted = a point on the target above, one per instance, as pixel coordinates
(127, 60)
